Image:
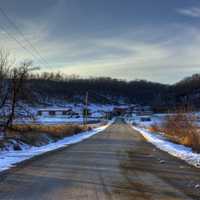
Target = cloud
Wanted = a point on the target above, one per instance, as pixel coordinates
(191, 12)
(162, 60)
(161, 53)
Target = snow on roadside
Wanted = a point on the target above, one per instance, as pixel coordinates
(9, 159)
(60, 120)
(177, 150)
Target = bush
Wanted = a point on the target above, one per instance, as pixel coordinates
(182, 128)
(52, 130)
(38, 135)
(155, 128)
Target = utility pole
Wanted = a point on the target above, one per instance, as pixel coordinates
(86, 106)
(85, 109)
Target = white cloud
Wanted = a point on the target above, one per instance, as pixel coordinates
(166, 61)
(191, 12)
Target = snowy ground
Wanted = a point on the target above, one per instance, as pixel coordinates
(97, 113)
(177, 150)
(155, 119)
(62, 120)
(9, 159)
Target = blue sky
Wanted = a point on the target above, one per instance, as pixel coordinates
(157, 40)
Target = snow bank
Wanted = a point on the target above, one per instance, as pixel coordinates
(11, 158)
(177, 150)
(59, 120)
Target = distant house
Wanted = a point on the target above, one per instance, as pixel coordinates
(108, 114)
(143, 111)
(147, 110)
(56, 112)
(121, 110)
(145, 118)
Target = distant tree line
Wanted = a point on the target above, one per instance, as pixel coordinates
(101, 90)
(162, 97)
(109, 90)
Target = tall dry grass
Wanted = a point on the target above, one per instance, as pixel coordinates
(155, 128)
(53, 130)
(182, 128)
(38, 135)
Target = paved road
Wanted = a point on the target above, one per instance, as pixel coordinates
(116, 164)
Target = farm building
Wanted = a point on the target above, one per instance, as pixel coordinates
(56, 112)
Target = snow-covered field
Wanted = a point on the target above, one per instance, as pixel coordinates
(58, 120)
(9, 159)
(97, 112)
(155, 119)
(177, 150)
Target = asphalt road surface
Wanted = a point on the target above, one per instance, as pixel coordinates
(115, 164)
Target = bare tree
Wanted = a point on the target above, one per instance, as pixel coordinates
(18, 78)
(5, 66)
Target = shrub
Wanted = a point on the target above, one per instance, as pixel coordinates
(38, 135)
(155, 128)
(52, 130)
(182, 128)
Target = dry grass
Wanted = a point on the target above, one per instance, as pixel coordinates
(155, 128)
(180, 125)
(53, 130)
(38, 135)
(181, 128)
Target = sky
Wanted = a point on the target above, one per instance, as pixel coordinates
(156, 40)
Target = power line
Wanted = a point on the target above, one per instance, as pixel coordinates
(13, 24)
(16, 40)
